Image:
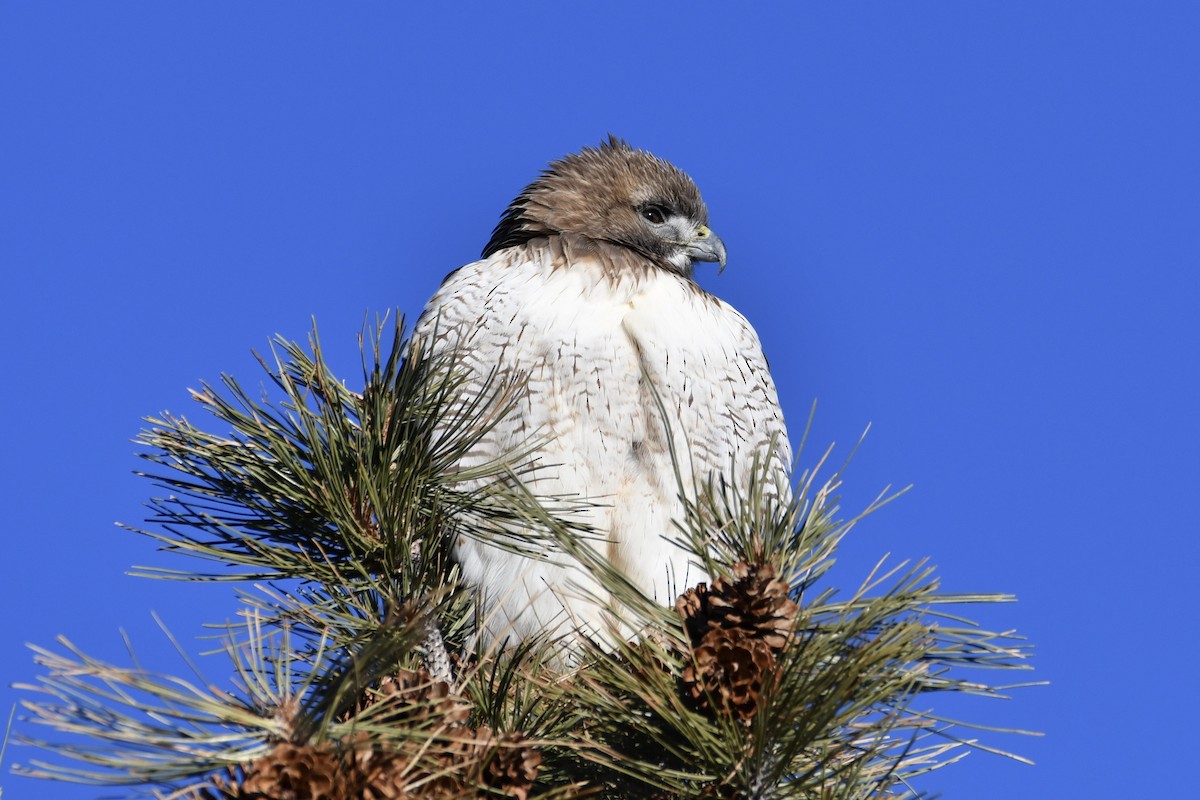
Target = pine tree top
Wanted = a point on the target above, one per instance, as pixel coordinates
(354, 670)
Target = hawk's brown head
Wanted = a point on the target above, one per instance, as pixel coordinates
(616, 195)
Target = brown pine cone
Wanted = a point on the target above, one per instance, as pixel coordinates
(693, 606)
(290, 772)
(512, 767)
(466, 763)
(728, 673)
(418, 698)
(458, 762)
(753, 600)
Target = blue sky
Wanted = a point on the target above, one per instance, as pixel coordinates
(973, 226)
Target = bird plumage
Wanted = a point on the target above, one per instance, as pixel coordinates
(584, 297)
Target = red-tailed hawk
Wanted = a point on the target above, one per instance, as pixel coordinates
(585, 296)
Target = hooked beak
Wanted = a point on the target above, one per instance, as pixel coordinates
(706, 246)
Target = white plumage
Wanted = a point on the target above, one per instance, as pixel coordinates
(583, 325)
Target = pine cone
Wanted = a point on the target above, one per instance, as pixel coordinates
(512, 767)
(417, 699)
(693, 606)
(754, 601)
(464, 763)
(721, 791)
(728, 673)
(708, 791)
(455, 762)
(290, 772)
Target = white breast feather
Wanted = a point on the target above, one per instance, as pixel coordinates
(583, 342)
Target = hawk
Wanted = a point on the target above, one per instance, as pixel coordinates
(585, 297)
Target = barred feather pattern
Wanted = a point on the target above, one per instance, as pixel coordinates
(595, 340)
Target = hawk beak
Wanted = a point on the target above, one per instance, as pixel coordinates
(706, 246)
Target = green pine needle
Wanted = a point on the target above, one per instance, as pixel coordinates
(337, 511)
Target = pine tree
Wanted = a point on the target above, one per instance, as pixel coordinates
(354, 674)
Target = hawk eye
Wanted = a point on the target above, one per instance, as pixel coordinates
(656, 215)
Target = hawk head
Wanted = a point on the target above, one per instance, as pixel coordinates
(616, 195)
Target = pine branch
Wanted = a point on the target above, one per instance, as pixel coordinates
(354, 661)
